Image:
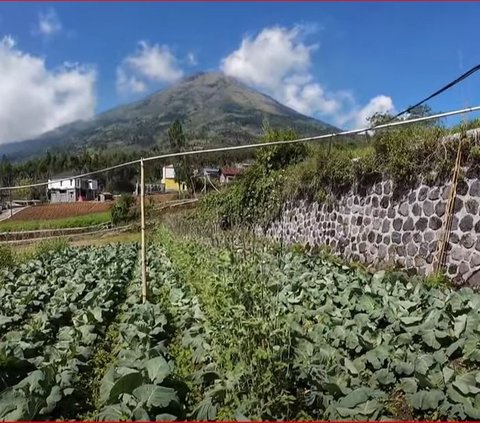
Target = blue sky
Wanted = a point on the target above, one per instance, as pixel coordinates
(335, 61)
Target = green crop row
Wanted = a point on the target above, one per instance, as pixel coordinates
(44, 357)
(279, 334)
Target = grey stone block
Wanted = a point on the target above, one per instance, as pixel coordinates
(428, 208)
(385, 226)
(421, 224)
(440, 208)
(466, 224)
(462, 187)
(408, 224)
(422, 193)
(471, 206)
(458, 205)
(454, 238)
(423, 250)
(435, 223)
(463, 268)
(434, 193)
(397, 224)
(445, 192)
(403, 209)
(396, 237)
(382, 251)
(416, 209)
(452, 269)
(475, 260)
(475, 189)
(406, 237)
(412, 249)
(412, 197)
(468, 240)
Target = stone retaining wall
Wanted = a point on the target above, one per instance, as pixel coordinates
(382, 231)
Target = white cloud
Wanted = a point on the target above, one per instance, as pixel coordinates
(48, 23)
(130, 83)
(35, 99)
(150, 63)
(192, 59)
(378, 104)
(278, 61)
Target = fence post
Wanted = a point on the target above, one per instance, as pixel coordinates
(142, 215)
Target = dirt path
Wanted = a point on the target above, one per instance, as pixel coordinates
(5, 214)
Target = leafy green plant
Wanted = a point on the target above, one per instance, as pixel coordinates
(124, 210)
(7, 257)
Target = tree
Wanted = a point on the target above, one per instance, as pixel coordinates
(181, 166)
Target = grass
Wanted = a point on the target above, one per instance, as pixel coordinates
(123, 237)
(68, 222)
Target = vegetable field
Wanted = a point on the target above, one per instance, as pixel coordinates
(233, 331)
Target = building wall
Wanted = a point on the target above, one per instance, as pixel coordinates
(68, 184)
(68, 196)
(168, 172)
(172, 185)
(380, 231)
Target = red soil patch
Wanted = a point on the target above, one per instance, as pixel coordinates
(59, 211)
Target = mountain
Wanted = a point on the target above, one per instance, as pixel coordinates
(215, 109)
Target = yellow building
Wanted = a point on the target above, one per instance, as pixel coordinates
(168, 180)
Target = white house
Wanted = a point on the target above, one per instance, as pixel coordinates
(66, 188)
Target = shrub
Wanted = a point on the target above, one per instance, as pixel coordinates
(7, 257)
(51, 245)
(124, 210)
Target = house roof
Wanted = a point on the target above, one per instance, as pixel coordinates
(63, 175)
(231, 171)
(211, 169)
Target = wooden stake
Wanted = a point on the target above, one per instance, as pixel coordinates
(142, 214)
(444, 237)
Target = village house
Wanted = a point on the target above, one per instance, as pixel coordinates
(169, 182)
(228, 174)
(66, 188)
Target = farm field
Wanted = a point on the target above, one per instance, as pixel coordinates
(234, 329)
(67, 222)
(61, 211)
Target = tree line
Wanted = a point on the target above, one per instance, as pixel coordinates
(121, 180)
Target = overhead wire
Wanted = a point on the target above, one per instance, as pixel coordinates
(253, 146)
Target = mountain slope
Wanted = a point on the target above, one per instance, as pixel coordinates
(215, 109)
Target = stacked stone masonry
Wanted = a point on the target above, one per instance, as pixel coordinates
(381, 231)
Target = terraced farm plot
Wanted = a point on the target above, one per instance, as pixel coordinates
(61, 211)
(232, 331)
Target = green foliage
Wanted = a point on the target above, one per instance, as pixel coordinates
(55, 308)
(67, 222)
(257, 194)
(287, 334)
(182, 166)
(437, 280)
(7, 257)
(51, 246)
(283, 173)
(124, 210)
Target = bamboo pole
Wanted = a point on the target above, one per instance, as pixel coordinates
(142, 216)
(447, 227)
